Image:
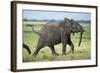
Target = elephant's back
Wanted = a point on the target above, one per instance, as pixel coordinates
(51, 26)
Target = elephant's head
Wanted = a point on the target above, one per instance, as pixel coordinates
(74, 27)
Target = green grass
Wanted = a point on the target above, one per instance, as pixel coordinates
(81, 53)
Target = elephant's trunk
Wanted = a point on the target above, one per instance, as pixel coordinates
(81, 33)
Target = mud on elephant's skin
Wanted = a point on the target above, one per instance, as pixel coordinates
(54, 33)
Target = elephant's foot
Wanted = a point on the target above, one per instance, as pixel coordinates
(56, 54)
(34, 55)
(63, 53)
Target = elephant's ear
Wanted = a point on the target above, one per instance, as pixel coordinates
(72, 21)
(67, 22)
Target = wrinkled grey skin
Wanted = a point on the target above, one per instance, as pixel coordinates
(60, 32)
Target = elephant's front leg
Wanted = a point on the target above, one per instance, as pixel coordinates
(64, 38)
(71, 44)
(72, 47)
(63, 48)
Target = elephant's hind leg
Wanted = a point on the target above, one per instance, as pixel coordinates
(53, 50)
(39, 46)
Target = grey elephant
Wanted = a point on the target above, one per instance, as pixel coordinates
(54, 33)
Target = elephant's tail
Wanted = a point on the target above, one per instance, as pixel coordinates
(35, 31)
(32, 26)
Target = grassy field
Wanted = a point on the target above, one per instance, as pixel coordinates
(31, 39)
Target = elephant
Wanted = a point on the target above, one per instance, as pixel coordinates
(54, 33)
(27, 48)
